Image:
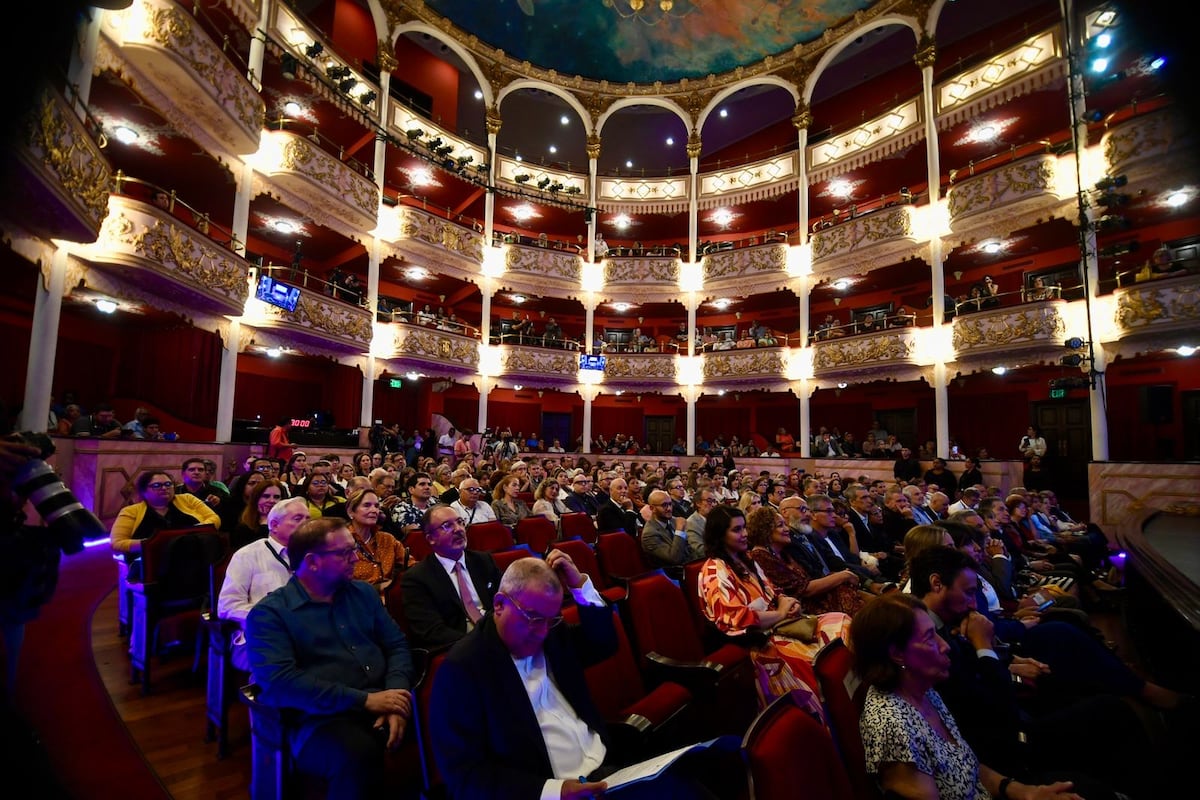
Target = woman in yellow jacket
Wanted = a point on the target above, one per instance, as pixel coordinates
(160, 509)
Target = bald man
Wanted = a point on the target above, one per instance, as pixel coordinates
(663, 544)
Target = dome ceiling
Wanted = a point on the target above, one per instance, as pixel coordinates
(598, 39)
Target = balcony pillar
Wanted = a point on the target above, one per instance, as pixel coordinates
(485, 388)
(367, 411)
(941, 408)
(804, 389)
(589, 325)
(589, 393)
(228, 380)
(690, 395)
(241, 209)
(43, 345)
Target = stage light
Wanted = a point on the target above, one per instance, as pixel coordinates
(313, 50)
(288, 63)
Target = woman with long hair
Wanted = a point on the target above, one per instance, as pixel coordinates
(509, 508)
(769, 537)
(233, 504)
(749, 501)
(742, 603)
(295, 473)
(252, 524)
(380, 555)
(362, 463)
(159, 509)
(919, 539)
(547, 501)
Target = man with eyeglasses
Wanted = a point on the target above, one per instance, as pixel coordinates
(616, 511)
(450, 591)
(706, 501)
(834, 558)
(325, 649)
(470, 505)
(665, 542)
(511, 713)
(680, 505)
(581, 498)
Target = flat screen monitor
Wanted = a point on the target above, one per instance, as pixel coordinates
(277, 293)
(592, 362)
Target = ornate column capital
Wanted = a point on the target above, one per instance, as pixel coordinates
(693, 144)
(926, 54)
(803, 116)
(387, 59)
(593, 145)
(493, 120)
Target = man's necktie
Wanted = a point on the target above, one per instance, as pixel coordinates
(464, 592)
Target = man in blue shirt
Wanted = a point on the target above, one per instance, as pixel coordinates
(324, 649)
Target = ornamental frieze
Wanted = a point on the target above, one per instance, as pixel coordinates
(746, 261)
(746, 363)
(195, 257)
(330, 317)
(524, 359)
(1024, 180)
(302, 156)
(641, 270)
(439, 346)
(863, 232)
(544, 261)
(441, 233)
(1008, 326)
(1159, 304)
(1145, 137)
(860, 350)
(644, 366)
(57, 140)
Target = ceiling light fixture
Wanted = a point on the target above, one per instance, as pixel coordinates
(274, 352)
(478, 94)
(651, 12)
(416, 273)
(999, 370)
(125, 135)
(1184, 350)
(106, 306)
(722, 303)
(412, 376)
(991, 248)
(841, 284)
(621, 221)
(1177, 199)
(722, 217)
(292, 108)
(553, 149)
(518, 387)
(283, 226)
(621, 308)
(522, 213)
(629, 163)
(564, 119)
(519, 298)
(724, 113)
(840, 189)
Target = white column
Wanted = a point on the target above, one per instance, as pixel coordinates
(693, 208)
(591, 253)
(691, 324)
(933, 172)
(228, 380)
(366, 418)
(805, 437)
(258, 49)
(489, 197)
(941, 408)
(241, 209)
(589, 394)
(485, 321)
(589, 323)
(691, 394)
(43, 346)
(485, 388)
(83, 58)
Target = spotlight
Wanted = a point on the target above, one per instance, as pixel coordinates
(367, 97)
(313, 50)
(289, 64)
(1074, 343)
(1095, 115)
(1112, 222)
(1108, 183)
(338, 71)
(346, 85)
(1073, 360)
(106, 306)
(1112, 199)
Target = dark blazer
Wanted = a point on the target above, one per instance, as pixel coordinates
(432, 606)
(581, 502)
(835, 562)
(486, 738)
(611, 517)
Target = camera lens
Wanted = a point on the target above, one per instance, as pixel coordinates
(65, 517)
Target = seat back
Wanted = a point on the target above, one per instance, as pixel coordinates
(616, 683)
(417, 546)
(691, 593)
(180, 562)
(489, 536)
(842, 695)
(660, 618)
(393, 601)
(578, 524)
(620, 556)
(526, 498)
(432, 784)
(537, 532)
(585, 559)
(505, 557)
(785, 748)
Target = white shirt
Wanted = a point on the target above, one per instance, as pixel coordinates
(573, 747)
(480, 512)
(254, 571)
(449, 566)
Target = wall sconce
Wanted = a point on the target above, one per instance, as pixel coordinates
(540, 392)
(737, 314)
(641, 320)
(542, 314)
(837, 301)
(958, 274)
(441, 298)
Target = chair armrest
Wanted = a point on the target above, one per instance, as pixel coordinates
(699, 677)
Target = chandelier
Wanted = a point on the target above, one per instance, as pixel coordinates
(652, 12)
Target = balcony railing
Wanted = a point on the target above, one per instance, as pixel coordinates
(891, 347)
(1010, 330)
(1158, 307)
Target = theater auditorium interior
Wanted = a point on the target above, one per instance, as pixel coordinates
(957, 223)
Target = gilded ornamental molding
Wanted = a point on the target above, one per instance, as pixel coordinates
(536, 361)
(448, 241)
(642, 270)
(765, 363)
(876, 349)
(334, 322)
(343, 200)
(437, 346)
(628, 367)
(544, 262)
(1004, 328)
(745, 262)
(1144, 143)
(1012, 187)
(1159, 306)
(858, 245)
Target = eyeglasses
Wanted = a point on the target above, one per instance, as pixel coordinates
(451, 525)
(532, 620)
(474, 490)
(342, 553)
(823, 510)
(160, 485)
(318, 483)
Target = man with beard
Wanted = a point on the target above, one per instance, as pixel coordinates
(835, 555)
(452, 588)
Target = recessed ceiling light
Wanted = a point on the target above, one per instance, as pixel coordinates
(1185, 350)
(621, 221)
(840, 188)
(518, 387)
(724, 113)
(1176, 199)
(478, 94)
(274, 352)
(629, 164)
(125, 135)
(722, 303)
(720, 392)
(999, 370)
(420, 177)
(519, 298)
(841, 284)
(523, 213)
(985, 133)
(564, 119)
(291, 108)
(416, 273)
(519, 159)
(991, 248)
(621, 308)
(553, 149)
(670, 141)
(412, 376)
(843, 385)
(283, 226)
(108, 306)
(722, 216)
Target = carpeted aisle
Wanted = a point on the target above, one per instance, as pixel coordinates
(68, 740)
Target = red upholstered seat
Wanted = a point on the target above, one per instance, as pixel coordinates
(585, 558)
(578, 524)
(789, 754)
(505, 557)
(489, 536)
(537, 532)
(842, 695)
(620, 556)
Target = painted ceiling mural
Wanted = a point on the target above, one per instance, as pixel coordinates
(603, 40)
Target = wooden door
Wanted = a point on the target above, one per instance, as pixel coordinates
(660, 433)
(1067, 428)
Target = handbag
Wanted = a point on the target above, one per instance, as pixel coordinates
(803, 628)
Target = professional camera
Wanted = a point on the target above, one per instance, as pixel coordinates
(68, 522)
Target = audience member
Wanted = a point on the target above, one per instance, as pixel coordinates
(254, 523)
(322, 502)
(470, 504)
(380, 555)
(406, 516)
(101, 423)
(615, 513)
(665, 545)
(254, 572)
(159, 509)
(324, 648)
(580, 498)
(509, 508)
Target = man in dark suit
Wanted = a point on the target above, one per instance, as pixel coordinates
(871, 539)
(580, 498)
(616, 512)
(439, 608)
(833, 552)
